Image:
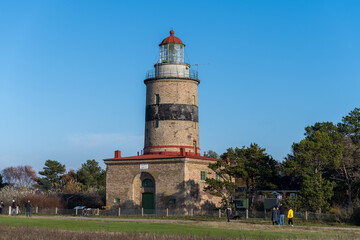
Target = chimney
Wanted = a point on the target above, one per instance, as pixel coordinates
(182, 151)
(117, 154)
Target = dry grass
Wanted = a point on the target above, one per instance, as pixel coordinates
(30, 233)
(144, 229)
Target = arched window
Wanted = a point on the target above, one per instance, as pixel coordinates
(147, 183)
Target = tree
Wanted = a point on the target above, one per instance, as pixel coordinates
(223, 184)
(347, 175)
(90, 175)
(20, 176)
(251, 165)
(212, 154)
(311, 158)
(259, 169)
(69, 183)
(350, 126)
(327, 127)
(1, 182)
(52, 173)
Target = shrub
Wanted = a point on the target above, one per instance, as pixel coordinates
(37, 198)
(355, 217)
(42, 200)
(8, 193)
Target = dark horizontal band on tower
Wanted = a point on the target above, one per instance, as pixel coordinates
(182, 112)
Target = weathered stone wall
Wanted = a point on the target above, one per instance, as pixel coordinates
(179, 133)
(123, 180)
(175, 179)
(193, 168)
(174, 129)
(177, 91)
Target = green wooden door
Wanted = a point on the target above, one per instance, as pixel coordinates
(148, 203)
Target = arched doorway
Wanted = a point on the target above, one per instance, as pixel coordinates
(148, 196)
(144, 192)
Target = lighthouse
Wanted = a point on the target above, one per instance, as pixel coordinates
(172, 118)
(170, 172)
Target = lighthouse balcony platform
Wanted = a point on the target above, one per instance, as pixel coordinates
(172, 73)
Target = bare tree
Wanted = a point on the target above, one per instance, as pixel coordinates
(348, 173)
(20, 176)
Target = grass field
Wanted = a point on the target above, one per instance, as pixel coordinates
(101, 228)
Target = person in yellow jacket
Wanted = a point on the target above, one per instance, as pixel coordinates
(290, 217)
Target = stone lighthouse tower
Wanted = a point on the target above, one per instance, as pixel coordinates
(172, 119)
(169, 173)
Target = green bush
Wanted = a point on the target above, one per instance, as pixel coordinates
(355, 217)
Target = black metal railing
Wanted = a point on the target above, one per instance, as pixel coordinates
(191, 73)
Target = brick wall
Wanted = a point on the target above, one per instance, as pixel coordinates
(176, 178)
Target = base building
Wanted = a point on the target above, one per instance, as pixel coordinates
(170, 172)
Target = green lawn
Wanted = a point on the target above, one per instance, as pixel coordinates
(249, 231)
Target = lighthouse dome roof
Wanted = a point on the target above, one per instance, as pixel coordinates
(171, 39)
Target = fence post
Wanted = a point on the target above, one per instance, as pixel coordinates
(9, 210)
(265, 213)
(306, 215)
(17, 210)
(219, 213)
(37, 210)
(167, 212)
(76, 212)
(56, 211)
(97, 212)
(142, 211)
(119, 212)
(247, 213)
(192, 212)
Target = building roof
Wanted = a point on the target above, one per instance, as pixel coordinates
(160, 156)
(171, 39)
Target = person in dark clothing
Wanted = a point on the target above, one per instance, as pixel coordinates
(2, 206)
(228, 213)
(13, 208)
(28, 208)
(274, 216)
(282, 214)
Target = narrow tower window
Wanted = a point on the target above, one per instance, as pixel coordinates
(156, 123)
(157, 99)
(203, 175)
(194, 100)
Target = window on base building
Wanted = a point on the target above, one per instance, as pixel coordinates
(217, 178)
(116, 200)
(203, 175)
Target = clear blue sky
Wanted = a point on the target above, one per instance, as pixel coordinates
(71, 73)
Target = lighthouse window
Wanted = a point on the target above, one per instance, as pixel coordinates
(203, 175)
(157, 99)
(156, 123)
